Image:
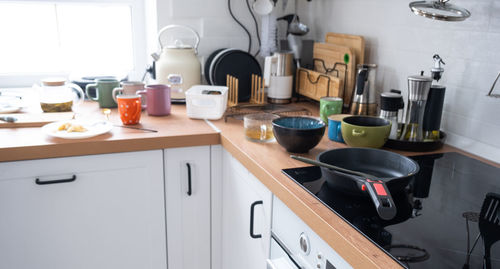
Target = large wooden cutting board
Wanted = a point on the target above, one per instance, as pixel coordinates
(355, 42)
(35, 119)
(331, 54)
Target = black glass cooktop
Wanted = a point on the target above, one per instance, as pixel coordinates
(430, 228)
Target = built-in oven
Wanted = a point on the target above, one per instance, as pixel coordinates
(294, 245)
(280, 257)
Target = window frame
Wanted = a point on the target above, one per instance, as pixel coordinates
(139, 42)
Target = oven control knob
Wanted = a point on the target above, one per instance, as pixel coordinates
(304, 243)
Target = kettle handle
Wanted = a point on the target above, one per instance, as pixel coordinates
(168, 27)
(269, 61)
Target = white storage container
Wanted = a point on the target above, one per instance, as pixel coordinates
(202, 103)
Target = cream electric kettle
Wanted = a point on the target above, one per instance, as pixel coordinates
(178, 64)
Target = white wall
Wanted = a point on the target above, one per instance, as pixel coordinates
(211, 19)
(402, 44)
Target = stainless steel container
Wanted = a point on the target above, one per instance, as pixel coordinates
(418, 87)
(390, 104)
(284, 64)
(418, 90)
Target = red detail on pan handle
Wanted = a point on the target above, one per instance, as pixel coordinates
(379, 188)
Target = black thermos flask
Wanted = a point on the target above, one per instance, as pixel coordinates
(433, 112)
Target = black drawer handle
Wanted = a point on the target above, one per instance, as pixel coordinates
(65, 180)
(252, 209)
(189, 192)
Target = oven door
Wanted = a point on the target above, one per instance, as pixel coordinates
(280, 258)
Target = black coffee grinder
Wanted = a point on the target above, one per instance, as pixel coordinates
(434, 106)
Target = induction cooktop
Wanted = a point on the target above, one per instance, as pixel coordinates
(437, 221)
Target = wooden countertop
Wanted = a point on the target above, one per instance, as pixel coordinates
(264, 160)
(174, 130)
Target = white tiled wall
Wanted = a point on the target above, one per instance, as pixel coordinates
(402, 44)
(213, 22)
(399, 42)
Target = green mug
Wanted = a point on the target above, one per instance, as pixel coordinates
(103, 92)
(329, 106)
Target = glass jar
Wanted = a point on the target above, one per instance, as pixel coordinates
(56, 95)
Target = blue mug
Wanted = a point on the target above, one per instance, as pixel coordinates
(334, 123)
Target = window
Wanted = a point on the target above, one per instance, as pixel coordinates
(69, 38)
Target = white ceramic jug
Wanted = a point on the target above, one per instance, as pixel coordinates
(180, 60)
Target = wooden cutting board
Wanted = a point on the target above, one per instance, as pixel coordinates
(331, 54)
(35, 119)
(355, 42)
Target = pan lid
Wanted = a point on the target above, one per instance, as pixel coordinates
(236, 63)
(439, 10)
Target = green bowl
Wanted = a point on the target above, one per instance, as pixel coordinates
(365, 131)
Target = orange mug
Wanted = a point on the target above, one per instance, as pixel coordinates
(129, 107)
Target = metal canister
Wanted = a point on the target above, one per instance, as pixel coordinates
(390, 104)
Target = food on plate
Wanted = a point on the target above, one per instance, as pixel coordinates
(76, 128)
(72, 127)
(64, 126)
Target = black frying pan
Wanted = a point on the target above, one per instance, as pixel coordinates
(375, 172)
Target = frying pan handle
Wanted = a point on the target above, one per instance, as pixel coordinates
(382, 198)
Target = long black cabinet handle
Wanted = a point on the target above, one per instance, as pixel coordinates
(64, 180)
(252, 209)
(189, 192)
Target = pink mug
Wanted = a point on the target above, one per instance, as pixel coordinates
(157, 99)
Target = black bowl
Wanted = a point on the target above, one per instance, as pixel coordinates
(298, 134)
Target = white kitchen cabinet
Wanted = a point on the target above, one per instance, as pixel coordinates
(245, 217)
(187, 188)
(109, 214)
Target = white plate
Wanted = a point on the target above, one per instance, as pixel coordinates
(9, 109)
(10, 104)
(94, 128)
